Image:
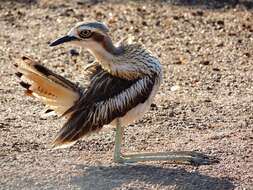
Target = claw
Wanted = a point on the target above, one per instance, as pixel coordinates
(198, 159)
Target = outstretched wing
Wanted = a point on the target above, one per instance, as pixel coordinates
(107, 97)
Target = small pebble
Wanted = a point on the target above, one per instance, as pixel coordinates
(198, 13)
(216, 69)
(174, 88)
(204, 62)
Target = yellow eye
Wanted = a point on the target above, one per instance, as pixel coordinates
(85, 34)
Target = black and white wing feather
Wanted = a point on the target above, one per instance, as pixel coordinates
(58, 93)
(106, 98)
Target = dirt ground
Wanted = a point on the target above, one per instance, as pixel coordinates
(205, 103)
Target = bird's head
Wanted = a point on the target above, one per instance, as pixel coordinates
(90, 35)
(121, 61)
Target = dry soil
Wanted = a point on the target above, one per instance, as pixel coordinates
(205, 103)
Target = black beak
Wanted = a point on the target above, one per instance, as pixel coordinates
(63, 40)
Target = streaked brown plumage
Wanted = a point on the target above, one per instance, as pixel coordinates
(120, 88)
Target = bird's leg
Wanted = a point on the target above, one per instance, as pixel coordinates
(177, 157)
(118, 142)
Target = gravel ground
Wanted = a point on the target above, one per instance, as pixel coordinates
(205, 103)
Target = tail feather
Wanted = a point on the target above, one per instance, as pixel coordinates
(56, 92)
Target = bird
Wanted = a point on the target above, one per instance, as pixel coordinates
(121, 85)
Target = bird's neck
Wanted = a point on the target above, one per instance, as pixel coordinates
(109, 56)
(105, 51)
(127, 63)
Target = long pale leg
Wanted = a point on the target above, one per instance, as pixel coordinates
(178, 157)
(118, 142)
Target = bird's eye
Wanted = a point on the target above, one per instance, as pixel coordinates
(85, 33)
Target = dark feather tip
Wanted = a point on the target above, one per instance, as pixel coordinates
(48, 110)
(18, 74)
(25, 85)
(24, 58)
(42, 69)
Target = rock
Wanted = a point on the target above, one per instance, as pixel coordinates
(204, 62)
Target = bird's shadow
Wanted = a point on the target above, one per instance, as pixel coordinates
(110, 177)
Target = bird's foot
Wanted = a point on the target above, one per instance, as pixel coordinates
(197, 159)
(185, 158)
